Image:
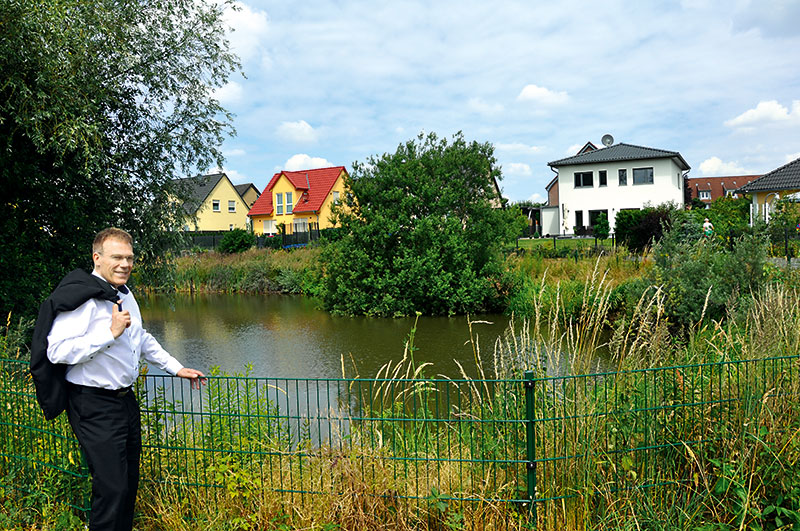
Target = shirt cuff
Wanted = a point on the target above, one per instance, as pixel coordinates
(173, 366)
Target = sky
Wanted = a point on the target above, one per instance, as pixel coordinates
(327, 83)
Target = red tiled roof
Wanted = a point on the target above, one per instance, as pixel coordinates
(718, 186)
(313, 186)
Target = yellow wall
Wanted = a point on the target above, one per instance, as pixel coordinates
(208, 219)
(282, 187)
(250, 197)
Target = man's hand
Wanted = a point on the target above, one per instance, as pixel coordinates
(120, 319)
(194, 375)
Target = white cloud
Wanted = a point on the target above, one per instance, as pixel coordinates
(236, 152)
(248, 28)
(573, 149)
(766, 112)
(518, 148)
(297, 131)
(301, 161)
(542, 95)
(482, 107)
(715, 166)
(536, 198)
(233, 175)
(792, 156)
(230, 93)
(519, 169)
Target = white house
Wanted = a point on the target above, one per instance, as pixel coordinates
(614, 178)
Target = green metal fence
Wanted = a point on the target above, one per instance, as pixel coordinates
(509, 442)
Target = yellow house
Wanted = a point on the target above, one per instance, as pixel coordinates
(770, 187)
(215, 204)
(298, 200)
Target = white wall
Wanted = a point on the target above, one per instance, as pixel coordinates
(667, 186)
(549, 221)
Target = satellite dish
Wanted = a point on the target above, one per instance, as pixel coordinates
(607, 140)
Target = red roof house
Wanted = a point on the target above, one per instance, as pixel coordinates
(298, 200)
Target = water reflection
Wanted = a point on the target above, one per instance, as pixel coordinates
(289, 337)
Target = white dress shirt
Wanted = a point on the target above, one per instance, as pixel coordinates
(83, 340)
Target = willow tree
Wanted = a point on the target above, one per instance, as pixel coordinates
(102, 104)
(422, 230)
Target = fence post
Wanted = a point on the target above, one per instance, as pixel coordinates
(786, 245)
(530, 436)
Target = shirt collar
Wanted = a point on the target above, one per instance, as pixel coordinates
(122, 289)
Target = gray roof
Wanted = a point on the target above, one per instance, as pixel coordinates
(197, 189)
(242, 188)
(787, 177)
(620, 152)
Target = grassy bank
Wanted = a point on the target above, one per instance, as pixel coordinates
(254, 271)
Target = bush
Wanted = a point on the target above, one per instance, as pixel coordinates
(601, 227)
(236, 241)
(637, 229)
(705, 278)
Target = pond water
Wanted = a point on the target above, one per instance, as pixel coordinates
(290, 337)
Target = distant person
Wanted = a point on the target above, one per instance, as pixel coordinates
(91, 329)
(708, 228)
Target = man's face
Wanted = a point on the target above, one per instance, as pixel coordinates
(115, 262)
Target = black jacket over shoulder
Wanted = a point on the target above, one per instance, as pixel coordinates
(49, 378)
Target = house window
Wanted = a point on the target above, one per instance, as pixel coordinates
(215, 205)
(289, 203)
(231, 206)
(269, 226)
(583, 179)
(603, 177)
(335, 198)
(230, 227)
(623, 177)
(300, 225)
(594, 214)
(279, 204)
(705, 194)
(643, 176)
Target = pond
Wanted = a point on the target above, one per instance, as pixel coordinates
(290, 337)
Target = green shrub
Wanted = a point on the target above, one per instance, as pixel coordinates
(705, 278)
(236, 241)
(601, 227)
(636, 229)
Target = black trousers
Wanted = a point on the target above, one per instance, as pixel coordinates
(108, 429)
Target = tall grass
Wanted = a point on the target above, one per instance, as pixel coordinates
(253, 271)
(681, 434)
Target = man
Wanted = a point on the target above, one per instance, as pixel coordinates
(708, 228)
(102, 342)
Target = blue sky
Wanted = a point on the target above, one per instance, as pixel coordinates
(332, 82)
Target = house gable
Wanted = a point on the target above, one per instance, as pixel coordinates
(208, 192)
(312, 194)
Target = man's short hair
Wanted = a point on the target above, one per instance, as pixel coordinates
(110, 233)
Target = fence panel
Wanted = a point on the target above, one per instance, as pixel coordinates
(604, 433)
(300, 438)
